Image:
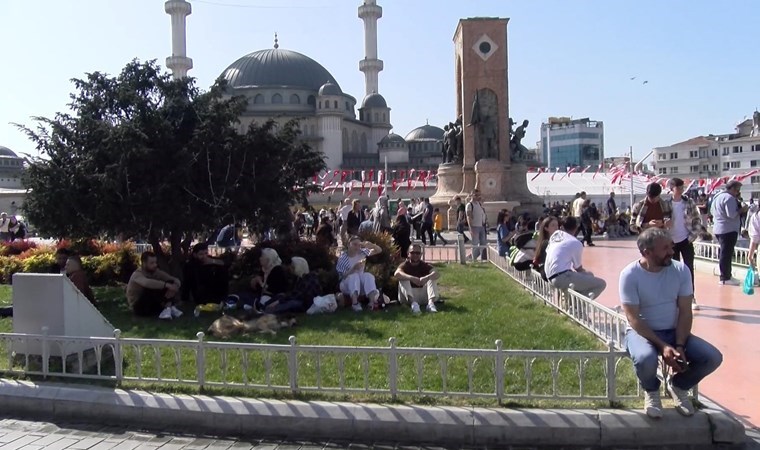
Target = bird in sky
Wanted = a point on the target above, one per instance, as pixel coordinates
(633, 78)
(645, 82)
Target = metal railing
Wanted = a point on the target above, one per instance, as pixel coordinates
(390, 371)
(711, 252)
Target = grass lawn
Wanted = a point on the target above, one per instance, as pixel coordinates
(482, 305)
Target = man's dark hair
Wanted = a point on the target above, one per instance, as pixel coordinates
(199, 247)
(733, 184)
(653, 190)
(570, 224)
(146, 255)
(63, 251)
(675, 182)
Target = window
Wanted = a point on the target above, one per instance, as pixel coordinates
(327, 104)
(662, 171)
(311, 100)
(753, 163)
(259, 99)
(364, 142)
(737, 148)
(674, 170)
(662, 156)
(335, 104)
(694, 154)
(277, 99)
(725, 166)
(714, 168)
(377, 117)
(348, 106)
(693, 169)
(705, 168)
(703, 153)
(756, 148)
(736, 164)
(295, 99)
(725, 151)
(714, 152)
(755, 179)
(384, 118)
(674, 155)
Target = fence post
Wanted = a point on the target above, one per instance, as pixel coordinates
(46, 352)
(393, 369)
(293, 363)
(461, 251)
(499, 371)
(611, 378)
(200, 360)
(118, 356)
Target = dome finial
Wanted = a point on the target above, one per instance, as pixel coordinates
(427, 121)
(276, 42)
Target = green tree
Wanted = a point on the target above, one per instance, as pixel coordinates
(141, 154)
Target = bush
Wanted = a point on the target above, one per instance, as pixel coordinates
(16, 247)
(8, 266)
(38, 263)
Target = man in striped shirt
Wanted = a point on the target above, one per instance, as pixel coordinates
(354, 281)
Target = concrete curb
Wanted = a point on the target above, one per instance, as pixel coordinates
(231, 416)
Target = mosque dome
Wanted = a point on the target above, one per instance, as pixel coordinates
(392, 139)
(330, 89)
(277, 67)
(5, 151)
(374, 101)
(425, 132)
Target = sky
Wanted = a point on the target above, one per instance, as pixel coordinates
(566, 57)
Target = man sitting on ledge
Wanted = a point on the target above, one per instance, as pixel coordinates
(656, 294)
(417, 280)
(152, 291)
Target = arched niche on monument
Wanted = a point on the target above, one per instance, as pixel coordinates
(485, 121)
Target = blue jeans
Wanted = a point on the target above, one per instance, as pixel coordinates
(703, 359)
(727, 243)
(479, 242)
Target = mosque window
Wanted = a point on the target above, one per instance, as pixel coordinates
(354, 142)
(295, 99)
(335, 104)
(383, 117)
(377, 117)
(320, 104)
(259, 99)
(348, 106)
(364, 142)
(327, 104)
(277, 99)
(345, 140)
(311, 100)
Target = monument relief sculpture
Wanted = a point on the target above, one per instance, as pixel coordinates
(485, 119)
(517, 150)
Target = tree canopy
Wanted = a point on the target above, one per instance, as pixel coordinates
(141, 154)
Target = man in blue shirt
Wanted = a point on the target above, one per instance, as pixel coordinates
(656, 294)
(726, 212)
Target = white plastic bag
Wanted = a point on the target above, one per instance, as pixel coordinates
(323, 304)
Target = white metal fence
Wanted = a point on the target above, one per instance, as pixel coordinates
(711, 252)
(390, 371)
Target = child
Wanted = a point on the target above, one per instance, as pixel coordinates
(438, 226)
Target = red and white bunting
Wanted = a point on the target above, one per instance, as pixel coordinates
(585, 170)
(597, 170)
(540, 171)
(555, 173)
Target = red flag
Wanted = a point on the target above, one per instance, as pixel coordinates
(585, 170)
(555, 173)
(571, 170)
(597, 171)
(540, 171)
(409, 182)
(741, 178)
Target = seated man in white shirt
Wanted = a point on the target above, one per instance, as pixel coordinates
(417, 280)
(564, 266)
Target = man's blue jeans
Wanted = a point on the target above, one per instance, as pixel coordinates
(479, 242)
(727, 243)
(703, 359)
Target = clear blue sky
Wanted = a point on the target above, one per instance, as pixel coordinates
(567, 57)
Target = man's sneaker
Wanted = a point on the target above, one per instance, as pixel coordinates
(176, 313)
(681, 399)
(166, 314)
(415, 308)
(653, 404)
(694, 305)
(357, 307)
(431, 307)
(731, 282)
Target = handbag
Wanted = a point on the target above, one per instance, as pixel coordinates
(749, 281)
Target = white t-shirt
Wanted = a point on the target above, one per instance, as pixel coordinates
(343, 212)
(563, 253)
(754, 227)
(578, 206)
(678, 231)
(478, 214)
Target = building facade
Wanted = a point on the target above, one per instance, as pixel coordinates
(571, 143)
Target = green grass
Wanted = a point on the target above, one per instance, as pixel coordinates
(482, 305)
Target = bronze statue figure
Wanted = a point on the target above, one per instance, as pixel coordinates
(518, 150)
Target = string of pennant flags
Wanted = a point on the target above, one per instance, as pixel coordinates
(618, 173)
(372, 180)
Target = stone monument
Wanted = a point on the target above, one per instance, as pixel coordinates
(485, 158)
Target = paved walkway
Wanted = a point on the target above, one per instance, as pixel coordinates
(728, 318)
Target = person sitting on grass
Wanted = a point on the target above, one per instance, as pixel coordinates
(152, 291)
(301, 297)
(354, 281)
(417, 280)
(78, 276)
(273, 279)
(206, 279)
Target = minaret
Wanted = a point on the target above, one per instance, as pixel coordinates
(369, 12)
(179, 63)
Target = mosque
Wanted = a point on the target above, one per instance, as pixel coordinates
(283, 84)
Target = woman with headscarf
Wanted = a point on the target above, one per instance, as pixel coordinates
(301, 297)
(273, 279)
(381, 218)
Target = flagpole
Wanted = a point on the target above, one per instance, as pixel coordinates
(631, 166)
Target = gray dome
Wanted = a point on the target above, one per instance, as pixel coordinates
(392, 139)
(5, 151)
(374, 101)
(425, 132)
(277, 67)
(330, 89)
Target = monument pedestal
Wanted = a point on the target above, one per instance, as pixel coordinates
(518, 191)
(449, 186)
